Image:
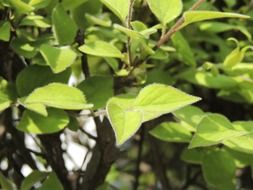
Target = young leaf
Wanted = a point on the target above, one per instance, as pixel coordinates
(171, 132)
(125, 121)
(37, 124)
(5, 31)
(58, 58)
(127, 115)
(157, 99)
(197, 16)
(119, 7)
(58, 96)
(64, 28)
(214, 129)
(166, 10)
(101, 49)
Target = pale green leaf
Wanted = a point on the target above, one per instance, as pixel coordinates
(127, 115)
(197, 16)
(101, 49)
(36, 107)
(64, 28)
(166, 10)
(193, 156)
(119, 7)
(171, 132)
(37, 124)
(5, 31)
(157, 99)
(21, 7)
(35, 20)
(58, 58)
(214, 129)
(58, 95)
(6, 94)
(37, 4)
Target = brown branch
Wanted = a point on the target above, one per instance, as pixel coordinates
(176, 26)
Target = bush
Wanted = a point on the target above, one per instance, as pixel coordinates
(98, 94)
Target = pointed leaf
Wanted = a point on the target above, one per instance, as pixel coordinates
(5, 31)
(166, 10)
(58, 58)
(119, 7)
(33, 178)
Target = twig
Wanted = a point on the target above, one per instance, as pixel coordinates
(88, 134)
(128, 24)
(140, 148)
(176, 26)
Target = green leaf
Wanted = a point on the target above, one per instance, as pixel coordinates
(35, 20)
(171, 132)
(215, 161)
(37, 124)
(197, 16)
(242, 143)
(72, 4)
(157, 99)
(7, 95)
(52, 182)
(21, 7)
(60, 96)
(5, 31)
(38, 4)
(193, 156)
(64, 28)
(125, 122)
(101, 49)
(127, 115)
(214, 129)
(36, 107)
(183, 49)
(119, 7)
(58, 58)
(166, 10)
(23, 47)
(35, 76)
(98, 90)
(31, 179)
(6, 184)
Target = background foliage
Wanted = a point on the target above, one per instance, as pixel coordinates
(98, 75)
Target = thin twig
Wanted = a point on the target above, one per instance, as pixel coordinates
(88, 134)
(176, 26)
(128, 24)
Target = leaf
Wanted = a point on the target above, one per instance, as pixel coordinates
(215, 161)
(127, 115)
(166, 10)
(157, 99)
(35, 20)
(98, 89)
(7, 95)
(36, 124)
(72, 4)
(197, 16)
(183, 49)
(214, 129)
(242, 143)
(6, 184)
(58, 58)
(60, 96)
(20, 6)
(38, 4)
(101, 49)
(35, 76)
(36, 107)
(52, 182)
(119, 7)
(5, 31)
(193, 156)
(171, 132)
(125, 122)
(64, 28)
(33, 178)
(23, 47)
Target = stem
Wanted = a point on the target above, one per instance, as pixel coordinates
(176, 26)
(128, 24)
